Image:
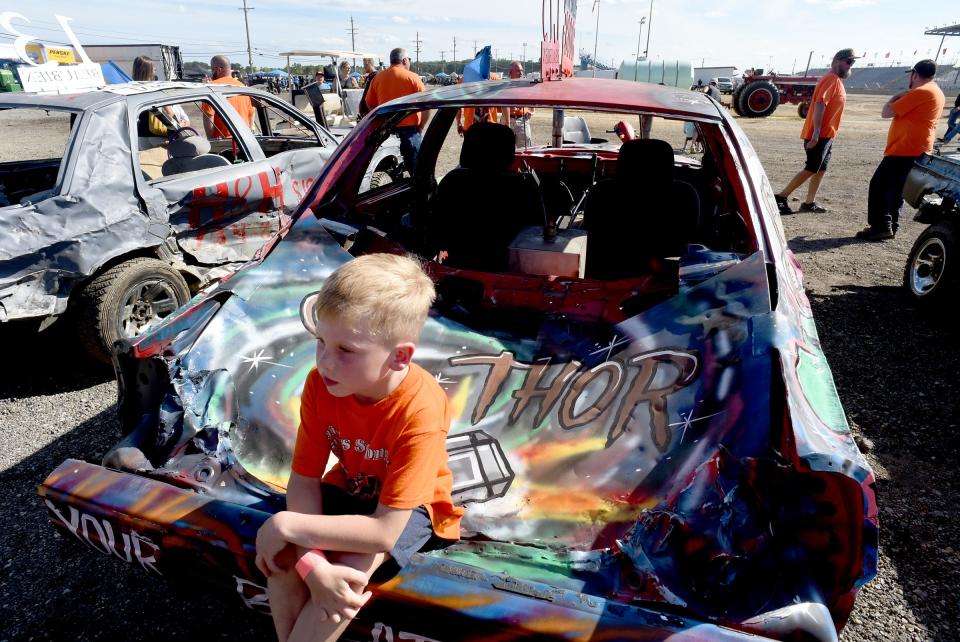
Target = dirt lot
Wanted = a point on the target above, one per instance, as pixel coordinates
(895, 369)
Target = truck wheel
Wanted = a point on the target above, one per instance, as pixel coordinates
(123, 301)
(759, 99)
(802, 109)
(931, 272)
(735, 100)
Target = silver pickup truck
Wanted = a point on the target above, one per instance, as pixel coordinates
(117, 205)
(933, 187)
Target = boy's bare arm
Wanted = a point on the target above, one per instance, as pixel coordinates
(304, 495)
(376, 533)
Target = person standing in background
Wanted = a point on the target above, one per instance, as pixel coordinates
(819, 129)
(915, 113)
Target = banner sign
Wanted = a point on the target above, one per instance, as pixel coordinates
(43, 71)
(62, 79)
(569, 25)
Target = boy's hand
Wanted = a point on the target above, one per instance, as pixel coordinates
(337, 590)
(269, 544)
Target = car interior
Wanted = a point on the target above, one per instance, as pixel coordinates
(597, 230)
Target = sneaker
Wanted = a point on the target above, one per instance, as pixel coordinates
(876, 234)
(812, 207)
(782, 204)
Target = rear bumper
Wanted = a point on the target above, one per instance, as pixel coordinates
(171, 532)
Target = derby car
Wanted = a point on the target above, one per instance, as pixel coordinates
(647, 440)
(119, 203)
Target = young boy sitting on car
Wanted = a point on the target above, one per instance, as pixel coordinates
(385, 419)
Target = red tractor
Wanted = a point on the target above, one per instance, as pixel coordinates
(759, 95)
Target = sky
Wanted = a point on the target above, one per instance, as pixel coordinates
(773, 34)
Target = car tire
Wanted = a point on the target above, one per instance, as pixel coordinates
(378, 179)
(931, 275)
(122, 301)
(802, 109)
(759, 99)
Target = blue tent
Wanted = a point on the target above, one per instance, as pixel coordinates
(113, 74)
(276, 72)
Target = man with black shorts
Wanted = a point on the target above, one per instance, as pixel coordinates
(819, 129)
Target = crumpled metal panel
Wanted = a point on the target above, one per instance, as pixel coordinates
(96, 217)
(227, 215)
(933, 174)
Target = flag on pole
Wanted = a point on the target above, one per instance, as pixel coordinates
(944, 51)
(888, 55)
(479, 67)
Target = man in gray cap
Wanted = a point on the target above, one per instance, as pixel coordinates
(819, 128)
(915, 113)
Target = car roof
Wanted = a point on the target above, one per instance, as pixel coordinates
(111, 93)
(575, 93)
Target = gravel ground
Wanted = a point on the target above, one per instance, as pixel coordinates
(895, 369)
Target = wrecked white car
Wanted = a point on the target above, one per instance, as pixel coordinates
(115, 205)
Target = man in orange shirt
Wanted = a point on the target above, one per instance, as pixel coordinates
(212, 123)
(915, 114)
(819, 129)
(394, 82)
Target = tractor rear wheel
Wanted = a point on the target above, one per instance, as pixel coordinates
(802, 109)
(735, 100)
(759, 99)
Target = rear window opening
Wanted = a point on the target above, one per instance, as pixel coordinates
(594, 230)
(35, 143)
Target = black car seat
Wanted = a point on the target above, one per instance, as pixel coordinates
(482, 205)
(189, 155)
(639, 214)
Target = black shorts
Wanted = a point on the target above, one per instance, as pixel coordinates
(417, 535)
(819, 157)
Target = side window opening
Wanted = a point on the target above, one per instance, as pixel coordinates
(278, 130)
(172, 140)
(36, 140)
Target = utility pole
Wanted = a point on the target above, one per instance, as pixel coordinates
(496, 55)
(246, 23)
(475, 50)
(353, 33)
(454, 70)
(639, 34)
(443, 67)
(524, 54)
(646, 52)
(418, 42)
(596, 34)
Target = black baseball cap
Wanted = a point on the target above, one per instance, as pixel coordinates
(926, 68)
(846, 54)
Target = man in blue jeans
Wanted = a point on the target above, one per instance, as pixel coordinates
(915, 113)
(394, 82)
(953, 127)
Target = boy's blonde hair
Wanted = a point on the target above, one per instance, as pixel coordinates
(390, 294)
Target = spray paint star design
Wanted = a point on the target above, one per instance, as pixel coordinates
(615, 341)
(688, 419)
(441, 379)
(257, 358)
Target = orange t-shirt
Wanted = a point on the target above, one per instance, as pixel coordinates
(393, 449)
(395, 82)
(915, 123)
(242, 104)
(468, 116)
(831, 92)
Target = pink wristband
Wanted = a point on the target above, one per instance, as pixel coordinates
(309, 561)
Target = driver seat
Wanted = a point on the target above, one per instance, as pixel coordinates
(191, 154)
(482, 205)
